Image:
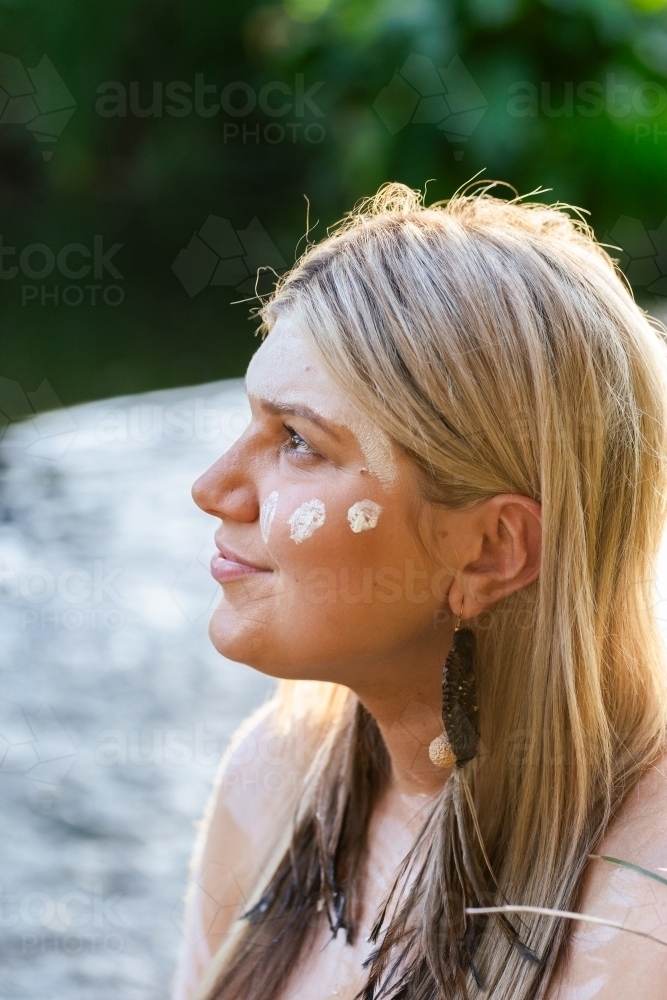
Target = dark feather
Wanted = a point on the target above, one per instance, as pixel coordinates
(459, 697)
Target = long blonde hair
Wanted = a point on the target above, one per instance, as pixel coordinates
(496, 343)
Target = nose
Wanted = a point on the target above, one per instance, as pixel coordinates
(227, 489)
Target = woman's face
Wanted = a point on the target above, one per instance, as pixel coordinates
(321, 569)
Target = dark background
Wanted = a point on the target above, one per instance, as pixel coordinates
(149, 180)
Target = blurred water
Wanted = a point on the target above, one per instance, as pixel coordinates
(115, 708)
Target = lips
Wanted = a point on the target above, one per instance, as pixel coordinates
(227, 566)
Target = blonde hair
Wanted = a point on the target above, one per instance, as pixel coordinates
(496, 343)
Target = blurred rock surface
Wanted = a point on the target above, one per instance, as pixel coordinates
(115, 708)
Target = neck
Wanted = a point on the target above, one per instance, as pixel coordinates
(406, 703)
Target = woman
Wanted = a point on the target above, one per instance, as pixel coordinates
(458, 417)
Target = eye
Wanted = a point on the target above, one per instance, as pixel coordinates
(296, 444)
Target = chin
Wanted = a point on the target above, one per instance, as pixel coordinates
(243, 639)
(230, 637)
(240, 638)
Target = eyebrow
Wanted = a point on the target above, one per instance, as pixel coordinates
(299, 410)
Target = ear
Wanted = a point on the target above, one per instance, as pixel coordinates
(502, 552)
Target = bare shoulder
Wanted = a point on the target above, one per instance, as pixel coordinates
(259, 780)
(646, 800)
(606, 962)
(250, 808)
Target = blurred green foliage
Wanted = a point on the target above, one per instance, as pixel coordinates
(574, 98)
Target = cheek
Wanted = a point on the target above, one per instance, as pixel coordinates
(294, 524)
(342, 558)
(326, 530)
(349, 581)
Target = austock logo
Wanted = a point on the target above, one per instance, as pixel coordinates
(40, 439)
(36, 745)
(37, 98)
(643, 256)
(235, 100)
(73, 261)
(220, 256)
(420, 93)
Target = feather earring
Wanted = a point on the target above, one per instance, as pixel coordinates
(458, 745)
(468, 881)
(460, 739)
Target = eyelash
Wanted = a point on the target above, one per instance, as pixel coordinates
(289, 450)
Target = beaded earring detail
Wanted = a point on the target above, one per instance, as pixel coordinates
(459, 741)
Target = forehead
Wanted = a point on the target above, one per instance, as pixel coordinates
(284, 364)
(285, 371)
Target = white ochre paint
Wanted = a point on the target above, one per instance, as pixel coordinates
(306, 519)
(267, 513)
(375, 445)
(364, 515)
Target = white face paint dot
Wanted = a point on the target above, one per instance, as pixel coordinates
(267, 514)
(306, 519)
(364, 515)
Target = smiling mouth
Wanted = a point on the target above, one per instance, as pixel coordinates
(227, 566)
